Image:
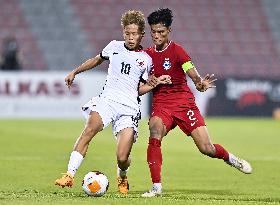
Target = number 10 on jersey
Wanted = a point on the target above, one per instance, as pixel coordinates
(125, 68)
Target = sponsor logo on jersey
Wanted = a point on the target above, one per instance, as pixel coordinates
(166, 64)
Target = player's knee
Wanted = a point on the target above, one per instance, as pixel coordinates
(207, 149)
(156, 132)
(122, 158)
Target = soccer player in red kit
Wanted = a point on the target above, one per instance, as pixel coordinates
(174, 104)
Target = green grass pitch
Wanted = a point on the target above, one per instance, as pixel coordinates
(33, 153)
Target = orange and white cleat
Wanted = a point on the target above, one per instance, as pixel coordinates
(123, 185)
(66, 180)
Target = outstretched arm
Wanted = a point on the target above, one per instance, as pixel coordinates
(145, 87)
(201, 84)
(89, 64)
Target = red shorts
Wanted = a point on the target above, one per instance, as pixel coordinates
(187, 119)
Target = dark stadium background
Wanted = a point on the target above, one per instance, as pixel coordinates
(232, 39)
(237, 40)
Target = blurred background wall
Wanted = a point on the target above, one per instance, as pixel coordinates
(237, 40)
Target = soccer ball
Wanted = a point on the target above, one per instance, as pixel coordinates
(95, 183)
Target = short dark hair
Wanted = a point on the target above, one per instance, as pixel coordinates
(162, 15)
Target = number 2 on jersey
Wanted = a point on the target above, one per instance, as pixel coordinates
(190, 114)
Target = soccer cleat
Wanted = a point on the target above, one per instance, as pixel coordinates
(242, 165)
(123, 185)
(153, 192)
(66, 180)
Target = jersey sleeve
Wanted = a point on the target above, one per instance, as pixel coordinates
(182, 55)
(184, 59)
(107, 51)
(148, 69)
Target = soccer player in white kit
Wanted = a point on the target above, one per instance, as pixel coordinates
(118, 103)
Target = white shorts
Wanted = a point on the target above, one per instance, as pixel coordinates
(120, 115)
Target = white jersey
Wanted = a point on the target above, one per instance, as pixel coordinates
(125, 70)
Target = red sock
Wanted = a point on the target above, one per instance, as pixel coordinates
(154, 159)
(221, 153)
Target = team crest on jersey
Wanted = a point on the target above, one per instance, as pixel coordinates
(166, 64)
(140, 62)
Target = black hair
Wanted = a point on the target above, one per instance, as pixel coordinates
(162, 15)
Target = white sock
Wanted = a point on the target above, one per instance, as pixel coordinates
(157, 186)
(74, 162)
(231, 158)
(121, 173)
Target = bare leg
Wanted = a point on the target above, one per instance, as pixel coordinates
(125, 139)
(157, 128)
(93, 125)
(202, 140)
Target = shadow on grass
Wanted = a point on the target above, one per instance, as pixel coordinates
(207, 195)
(169, 194)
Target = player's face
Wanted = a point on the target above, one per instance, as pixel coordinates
(160, 34)
(132, 36)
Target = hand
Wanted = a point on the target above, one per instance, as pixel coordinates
(152, 81)
(206, 82)
(69, 79)
(164, 79)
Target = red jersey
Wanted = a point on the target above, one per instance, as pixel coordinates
(169, 61)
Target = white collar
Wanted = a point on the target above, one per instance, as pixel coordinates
(164, 48)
